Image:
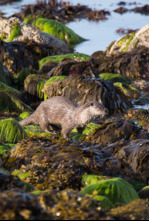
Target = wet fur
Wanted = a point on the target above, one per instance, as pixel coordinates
(62, 111)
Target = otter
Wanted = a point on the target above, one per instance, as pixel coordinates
(60, 110)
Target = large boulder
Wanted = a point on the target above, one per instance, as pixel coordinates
(42, 44)
(131, 41)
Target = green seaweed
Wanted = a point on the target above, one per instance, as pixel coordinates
(92, 179)
(35, 131)
(15, 32)
(23, 116)
(5, 87)
(59, 58)
(105, 203)
(51, 80)
(11, 103)
(5, 149)
(115, 78)
(11, 131)
(56, 29)
(117, 190)
(131, 37)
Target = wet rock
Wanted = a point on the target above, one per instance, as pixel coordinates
(63, 11)
(81, 90)
(135, 210)
(126, 31)
(131, 41)
(133, 64)
(39, 43)
(141, 116)
(12, 54)
(121, 10)
(143, 10)
(21, 206)
(11, 131)
(142, 86)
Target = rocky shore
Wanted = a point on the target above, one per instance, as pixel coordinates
(101, 174)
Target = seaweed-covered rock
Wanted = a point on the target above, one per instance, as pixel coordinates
(5, 149)
(59, 58)
(9, 182)
(70, 205)
(133, 64)
(141, 116)
(11, 131)
(39, 43)
(144, 193)
(122, 84)
(21, 206)
(81, 90)
(131, 41)
(135, 210)
(12, 103)
(34, 84)
(49, 163)
(117, 190)
(5, 75)
(55, 28)
(115, 130)
(72, 68)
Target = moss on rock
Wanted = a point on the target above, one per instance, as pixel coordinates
(10, 102)
(16, 29)
(11, 131)
(114, 78)
(59, 58)
(5, 149)
(117, 190)
(56, 29)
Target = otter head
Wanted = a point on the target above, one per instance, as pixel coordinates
(97, 109)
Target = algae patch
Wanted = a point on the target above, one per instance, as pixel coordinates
(11, 131)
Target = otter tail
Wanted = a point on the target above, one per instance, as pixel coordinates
(27, 121)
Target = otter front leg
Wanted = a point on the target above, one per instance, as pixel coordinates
(65, 131)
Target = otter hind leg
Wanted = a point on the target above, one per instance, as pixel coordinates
(44, 125)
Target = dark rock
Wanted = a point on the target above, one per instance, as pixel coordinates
(12, 54)
(121, 10)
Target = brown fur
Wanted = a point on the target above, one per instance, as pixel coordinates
(62, 111)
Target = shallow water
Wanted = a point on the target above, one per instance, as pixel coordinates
(99, 34)
(145, 107)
